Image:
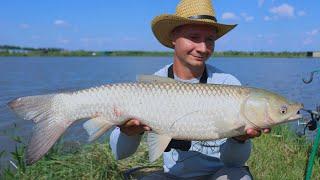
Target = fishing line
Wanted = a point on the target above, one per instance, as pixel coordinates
(312, 125)
(310, 79)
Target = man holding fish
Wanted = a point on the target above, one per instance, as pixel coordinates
(192, 33)
(199, 118)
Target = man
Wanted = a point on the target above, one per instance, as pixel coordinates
(192, 33)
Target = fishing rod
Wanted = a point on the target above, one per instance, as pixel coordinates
(310, 79)
(312, 125)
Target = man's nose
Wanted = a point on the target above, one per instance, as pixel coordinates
(201, 47)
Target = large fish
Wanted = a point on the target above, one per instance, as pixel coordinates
(172, 109)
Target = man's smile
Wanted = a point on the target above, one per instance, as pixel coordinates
(198, 57)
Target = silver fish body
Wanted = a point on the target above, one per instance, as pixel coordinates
(172, 109)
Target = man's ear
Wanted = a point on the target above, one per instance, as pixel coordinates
(173, 38)
(173, 43)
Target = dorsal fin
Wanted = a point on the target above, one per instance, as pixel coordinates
(154, 79)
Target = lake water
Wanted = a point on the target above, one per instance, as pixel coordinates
(21, 76)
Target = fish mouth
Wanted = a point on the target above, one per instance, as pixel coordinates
(295, 117)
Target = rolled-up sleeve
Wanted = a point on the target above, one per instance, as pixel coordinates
(123, 146)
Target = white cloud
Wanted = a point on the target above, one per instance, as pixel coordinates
(260, 3)
(63, 41)
(313, 32)
(260, 36)
(301, 13)
(284, 10)
(307, 41)
(229, 15)
(233, 16)
(270, 41)
(247, 17)
(60, 22)
(88, 41)
(267, 18)
(24, 26)
(267, 38)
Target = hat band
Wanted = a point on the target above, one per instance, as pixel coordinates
(204, 17)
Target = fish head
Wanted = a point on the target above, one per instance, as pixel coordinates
(265, 109)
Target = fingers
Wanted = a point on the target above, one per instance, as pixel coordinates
(253, 133)
(256, 133)
(131, 122)
(146, 128)
(268, 130)
(133, 127)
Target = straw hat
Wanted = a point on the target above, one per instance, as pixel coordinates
(187, 12)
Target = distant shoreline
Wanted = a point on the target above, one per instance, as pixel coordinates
(149, 54)
(7, 51)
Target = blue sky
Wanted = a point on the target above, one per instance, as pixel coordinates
(269, 25)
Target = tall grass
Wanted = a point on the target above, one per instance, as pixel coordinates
(280, 155)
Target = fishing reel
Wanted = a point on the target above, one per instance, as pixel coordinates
(311, 121)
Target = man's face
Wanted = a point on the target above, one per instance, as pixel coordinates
(193, 44)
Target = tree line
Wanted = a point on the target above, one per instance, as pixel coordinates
(8, 50)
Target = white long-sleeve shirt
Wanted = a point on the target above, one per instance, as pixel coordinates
(204, 157)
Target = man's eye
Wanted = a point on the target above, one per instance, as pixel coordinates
(210, 40)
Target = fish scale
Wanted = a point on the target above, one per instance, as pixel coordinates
(154, 96)
(173, 110)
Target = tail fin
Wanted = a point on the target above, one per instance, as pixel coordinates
(50, 123)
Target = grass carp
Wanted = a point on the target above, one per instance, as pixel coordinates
(174, 110)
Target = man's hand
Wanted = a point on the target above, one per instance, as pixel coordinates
(133, 127)
(251, 133)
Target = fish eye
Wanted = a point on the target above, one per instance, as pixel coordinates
(283, 109)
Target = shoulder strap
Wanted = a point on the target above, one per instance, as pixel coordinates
(203, 78)
(182, 144)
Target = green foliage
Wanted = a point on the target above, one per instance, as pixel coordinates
(137, 53)
(2, 153)
(9, 47)
(140, 158)
(7, 50)
(92, 162)
(18, 155)
(18, 160)
(281, 155)
(284, 54)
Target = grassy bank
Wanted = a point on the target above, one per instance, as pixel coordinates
(281, 155)
(8, 50)
(148, 54)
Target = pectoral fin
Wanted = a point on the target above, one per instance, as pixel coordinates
(157, 144)
(96, 127)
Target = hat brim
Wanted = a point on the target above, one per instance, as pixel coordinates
(163, 25)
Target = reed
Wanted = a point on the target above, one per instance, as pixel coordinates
(279, 155)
